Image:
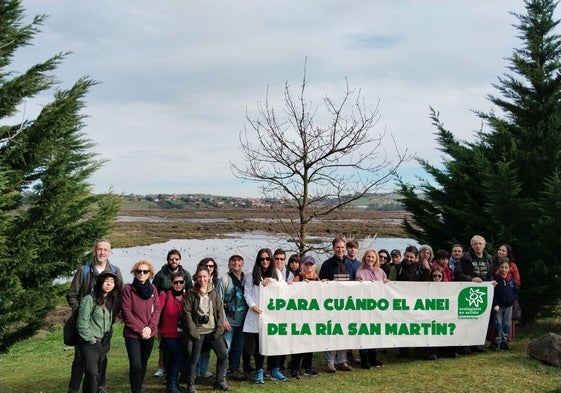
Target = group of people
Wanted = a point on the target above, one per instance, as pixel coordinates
(190, 315)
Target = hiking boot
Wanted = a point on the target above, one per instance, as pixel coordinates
(309, 372)
(331, 368)
(222, 385)
(505, 346)
(344, 367)
(191, 388)
(238, 376)
(276, 375)
(294, 374)
(259, 376)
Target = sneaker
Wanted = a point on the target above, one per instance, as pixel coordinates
(276, 375)
(160, 373)
(310, 372)
(331, 368)
(377, 363)
(206, 374)
(294, 374)
(101, 389)
(191, 388)
(238, 376)
(173, 390)
(259, 376)
(505, 346)
(344, 367)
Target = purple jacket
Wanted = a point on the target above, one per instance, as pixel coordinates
(138, 313)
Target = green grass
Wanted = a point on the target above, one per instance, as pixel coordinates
(42, 364)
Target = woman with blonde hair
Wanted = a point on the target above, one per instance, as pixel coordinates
(370, 270)
(140, 311)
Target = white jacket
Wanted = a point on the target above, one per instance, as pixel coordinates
(251, 295)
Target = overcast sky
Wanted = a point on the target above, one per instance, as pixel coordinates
(178, 76)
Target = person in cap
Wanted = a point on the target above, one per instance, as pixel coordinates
(307, 273)
(82, 284)
(94, 324)
(395, 261)
(231, 289)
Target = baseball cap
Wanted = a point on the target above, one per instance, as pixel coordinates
(395, 251)
(309, 259)
(235, 256)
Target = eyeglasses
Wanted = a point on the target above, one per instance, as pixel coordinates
(264, 259)
(383, 257)
(437, 275)
(178, 282)
(174, 259)
(140, 271)
(210, 265)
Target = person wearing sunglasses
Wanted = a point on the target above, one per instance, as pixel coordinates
(441, 258)
(140, 311)
(163, 282)
(171, 328)
(264, 271)
(204, 358)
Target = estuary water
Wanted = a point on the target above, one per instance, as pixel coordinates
(244, 243)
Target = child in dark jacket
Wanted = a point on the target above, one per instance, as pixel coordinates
(506, 292)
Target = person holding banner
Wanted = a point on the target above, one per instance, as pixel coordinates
(370, 270)
(475, 266)
(308, 273)
(264, 271)
(337, 268)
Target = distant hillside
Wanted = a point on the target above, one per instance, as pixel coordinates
(380, 202)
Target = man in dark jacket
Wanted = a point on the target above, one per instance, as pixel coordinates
(82, 285)
(475, 264)
(337, 268)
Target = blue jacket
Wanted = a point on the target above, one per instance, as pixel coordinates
(506, 291)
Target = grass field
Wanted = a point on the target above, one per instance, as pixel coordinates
(42, 364)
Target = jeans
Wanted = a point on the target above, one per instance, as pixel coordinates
(502, 320)
(175, 356)
(335, 357)
(305, 358)
(139, 352)
(235, 341)
(94, 357)
(219, 347)
(204, 359)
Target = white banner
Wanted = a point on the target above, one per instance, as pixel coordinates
(321, 316)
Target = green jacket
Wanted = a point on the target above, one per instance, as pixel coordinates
(93, 320)
(189, 314)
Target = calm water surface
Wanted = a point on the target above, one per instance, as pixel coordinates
(246, 244)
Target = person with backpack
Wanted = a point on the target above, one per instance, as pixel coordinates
(94, 324)
(82, 284)
(231, 289)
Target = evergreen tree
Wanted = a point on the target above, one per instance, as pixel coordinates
(47, 159)
(505, 186)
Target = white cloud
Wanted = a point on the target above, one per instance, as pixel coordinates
(177, 76)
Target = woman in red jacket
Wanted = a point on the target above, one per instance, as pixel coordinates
(141, 312)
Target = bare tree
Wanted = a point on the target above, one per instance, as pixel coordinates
(316, 169)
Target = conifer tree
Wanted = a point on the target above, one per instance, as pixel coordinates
(49, 217)
(505, 185)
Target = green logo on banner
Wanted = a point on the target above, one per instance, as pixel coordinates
(472, 302)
